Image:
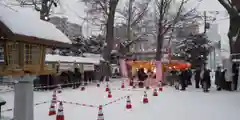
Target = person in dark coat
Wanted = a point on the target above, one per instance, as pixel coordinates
(205, 79)
(183, 80)
(197, 77)
(235, 71)
(225, 84)
(175, 78)
(189, 76)
(142, 76)
(218, 79)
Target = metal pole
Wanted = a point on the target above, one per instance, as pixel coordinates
(205, 21)
(214, 58)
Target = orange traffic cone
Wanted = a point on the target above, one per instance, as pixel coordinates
(59, 88)
(160, 89)
(155, 93)
(122, 86)
(60, 115)
(54, 97)
(160, 86)
(109, 94)
(107, 88)
(100, 113)
(52, 110)
(145, 98)
(129, 104)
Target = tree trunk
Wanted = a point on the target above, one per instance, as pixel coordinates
(160, 39)
(234, 30)
(44, 10)
(109, 39)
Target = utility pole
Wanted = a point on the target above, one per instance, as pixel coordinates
(206, 24)
(205, 21)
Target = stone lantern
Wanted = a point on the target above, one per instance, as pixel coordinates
(23, 42)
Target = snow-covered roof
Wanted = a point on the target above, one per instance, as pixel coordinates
(59, 58)
(92, 55)
(25, 22)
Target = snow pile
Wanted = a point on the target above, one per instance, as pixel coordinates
(25, 21)
(59, 58)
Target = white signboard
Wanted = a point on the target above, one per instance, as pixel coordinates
(66, 66)
(88, 67)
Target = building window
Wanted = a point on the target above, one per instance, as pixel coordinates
(13, 53)
(31, 54)
(27, 54)
(1, 53)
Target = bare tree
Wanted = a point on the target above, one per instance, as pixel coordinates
(104, 10)
(233, 9)
(133, 19)
(168, 20)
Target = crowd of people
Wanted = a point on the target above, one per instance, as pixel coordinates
(181, 79)
(202, 78)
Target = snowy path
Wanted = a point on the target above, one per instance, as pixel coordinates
(169, 105)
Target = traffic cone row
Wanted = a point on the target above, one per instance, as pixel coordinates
(145, 98)
(107, 88)
(155, 93)
(60, 115)
(109, 94)
(100, 113)
(160, 88)
(54, 97)
(129, 104)
(52, 110)
(122, 86)
(59, 89)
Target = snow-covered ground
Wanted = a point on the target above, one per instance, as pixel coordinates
(192, 104)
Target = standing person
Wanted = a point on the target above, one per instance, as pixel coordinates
(183, 80)
(189, 76)
(142, 76)
(218, 75)
(205, 79)
(224, 77)
(169, 76)
(197, 77)
(175, 79)
(235, 75)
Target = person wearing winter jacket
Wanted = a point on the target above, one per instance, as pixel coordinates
(218, 79)
(205, 79)
(142, 76)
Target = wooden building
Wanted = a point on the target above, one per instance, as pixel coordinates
(24, 39)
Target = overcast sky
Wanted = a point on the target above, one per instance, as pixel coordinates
(73, 9)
